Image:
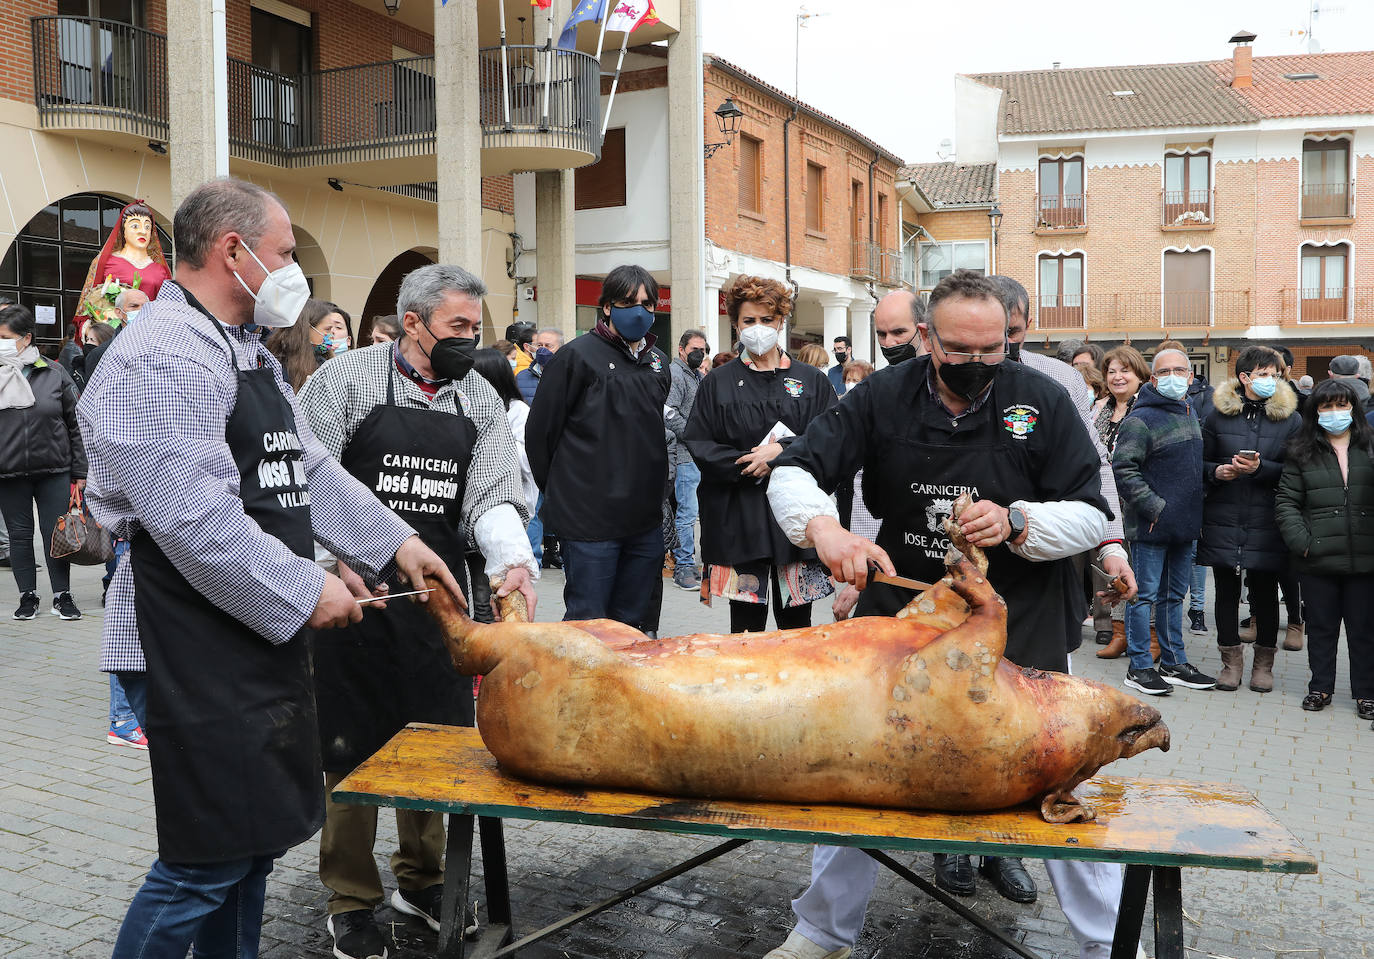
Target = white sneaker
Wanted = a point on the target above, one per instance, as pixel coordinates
(798, 946)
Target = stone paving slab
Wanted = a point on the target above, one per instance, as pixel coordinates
(76, 831)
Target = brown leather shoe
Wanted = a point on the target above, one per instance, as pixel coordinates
(1117, 647)
(1292, 639)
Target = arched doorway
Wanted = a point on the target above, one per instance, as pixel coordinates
(45, 267)
(382, 300)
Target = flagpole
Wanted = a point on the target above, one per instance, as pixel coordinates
(505, 68)
(610, 101)
(601, 38)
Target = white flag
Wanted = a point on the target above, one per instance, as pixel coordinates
(626, 15)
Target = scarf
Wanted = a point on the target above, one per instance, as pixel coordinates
(15, 391)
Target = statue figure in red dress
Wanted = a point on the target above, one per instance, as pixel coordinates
(132, 258)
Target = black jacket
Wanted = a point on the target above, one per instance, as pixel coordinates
(595, 440)
(1239, 530)
(1326, 521)
(735, 408)
(44, 438)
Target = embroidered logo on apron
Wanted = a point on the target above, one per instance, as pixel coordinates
(655, 364)
(793, 387)
(1020, 420)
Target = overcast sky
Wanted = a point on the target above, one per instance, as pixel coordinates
(886, 67)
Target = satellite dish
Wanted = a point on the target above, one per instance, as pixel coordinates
(946, 149)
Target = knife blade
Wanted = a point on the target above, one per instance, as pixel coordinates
(382, 599)
(878, 576)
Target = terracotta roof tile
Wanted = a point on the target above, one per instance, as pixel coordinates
(1344, 84)
(954, 184)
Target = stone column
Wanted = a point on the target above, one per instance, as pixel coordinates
(860, 322)
(835, 317)
(458, 134)
(692, 306)
(197, 106)
(556, 254)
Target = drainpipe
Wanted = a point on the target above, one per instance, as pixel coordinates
(787, 196)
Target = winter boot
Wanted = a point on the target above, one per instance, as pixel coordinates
(1232, 667)
(1246, 631)
(1117, 646)
(1262, 670)
(1292, 639)
(1154, 645)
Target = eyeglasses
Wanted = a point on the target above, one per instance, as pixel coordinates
(957, 357)
(1175, 371)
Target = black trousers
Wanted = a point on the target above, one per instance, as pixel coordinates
(18, 494)
(1291, 591)
(1264, 605)
(1331, 601)
(754, 616)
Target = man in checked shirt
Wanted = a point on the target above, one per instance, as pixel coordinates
(202, 460)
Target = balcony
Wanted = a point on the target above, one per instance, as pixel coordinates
(1136, 311)
(1061, 212)
(871, 261)
(1328, 201)
(1348, 305)
(373, 123)
(1187, 209)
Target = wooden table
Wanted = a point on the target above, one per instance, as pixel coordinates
(1154, 827)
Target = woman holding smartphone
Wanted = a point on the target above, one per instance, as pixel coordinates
(1244, 442)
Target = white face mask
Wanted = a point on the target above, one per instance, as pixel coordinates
(280, 299)
(758, 339)
(130, 315)
(9, 347)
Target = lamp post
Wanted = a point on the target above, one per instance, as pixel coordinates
(727, 118)
(392, 6)
(995, 221)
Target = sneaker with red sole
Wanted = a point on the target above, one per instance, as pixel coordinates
(129, 735)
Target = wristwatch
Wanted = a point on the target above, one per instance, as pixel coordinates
(1017, 520)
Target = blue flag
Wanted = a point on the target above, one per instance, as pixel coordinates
(585, 10)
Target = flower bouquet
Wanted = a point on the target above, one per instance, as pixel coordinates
(99, 304)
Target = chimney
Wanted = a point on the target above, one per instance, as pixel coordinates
(1241, 72)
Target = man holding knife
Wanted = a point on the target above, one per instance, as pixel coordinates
(200, 457)
(926, 431)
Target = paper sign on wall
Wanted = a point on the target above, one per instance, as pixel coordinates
(45, 315)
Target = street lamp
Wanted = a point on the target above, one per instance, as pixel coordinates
(727, 118)
(995, 220)
(392, 6)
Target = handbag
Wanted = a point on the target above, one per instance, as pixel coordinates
(78, 538)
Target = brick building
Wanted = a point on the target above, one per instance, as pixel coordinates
(954, 204)
(1219, 202)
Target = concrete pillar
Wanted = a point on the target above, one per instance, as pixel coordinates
(556, 254)
(198, 119)
(835, 317)
(718, 326)
(860, 324)
(692, 306)
(458, 134)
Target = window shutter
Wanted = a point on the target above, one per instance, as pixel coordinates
(749, 174)
(602, 184)
(815, 199)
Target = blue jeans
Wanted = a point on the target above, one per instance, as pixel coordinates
(128, 698)
(612, 579)
(1162, 571)
(215, 906)
(1197, 586)
(685, 490)
(535, 531)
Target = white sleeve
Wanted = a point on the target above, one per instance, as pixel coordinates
(1059, 529)
(797, 500)
(502, 539)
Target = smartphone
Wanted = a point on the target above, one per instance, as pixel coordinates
(1248, 454)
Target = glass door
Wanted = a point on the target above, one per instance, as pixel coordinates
(281, 62)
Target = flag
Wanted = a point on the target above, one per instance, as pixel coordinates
(585, 10)
(541, 4)
(628, 15)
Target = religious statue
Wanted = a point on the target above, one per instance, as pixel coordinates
(130, 259)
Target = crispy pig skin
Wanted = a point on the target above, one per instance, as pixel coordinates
(913, 711)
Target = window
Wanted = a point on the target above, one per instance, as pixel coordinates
(750, 174)
(909, 250)
(939, 260)
(103, 57)
(280, 54)
(1061, 291)
(1061, 199)
(1323, 283)
(1187, 288)
(815, 198)
(1187, 189)
(46, 265)
(602, 184)
(1325, 178)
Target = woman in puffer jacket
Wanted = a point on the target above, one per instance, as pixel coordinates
(1244, 442)
(1325, 510)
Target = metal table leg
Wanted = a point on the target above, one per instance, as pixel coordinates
(1168, 912)
(1131, 913)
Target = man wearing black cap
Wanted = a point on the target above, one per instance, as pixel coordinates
(1347, 367)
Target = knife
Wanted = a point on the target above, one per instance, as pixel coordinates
(878, 576)
(382, 599)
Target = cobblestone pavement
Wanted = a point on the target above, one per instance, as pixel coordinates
(76, 831)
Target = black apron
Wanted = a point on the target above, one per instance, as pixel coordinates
(231, 716)
(392, 668)
(915, 484)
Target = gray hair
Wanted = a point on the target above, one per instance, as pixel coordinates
(215, 208)
(1014, 297)
(1366, 370)
(423, 290)
(122, 298)
(1155, 361)
(553, 331)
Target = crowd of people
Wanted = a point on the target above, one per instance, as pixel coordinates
(319, 475)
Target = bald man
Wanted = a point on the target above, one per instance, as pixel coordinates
(896, 321)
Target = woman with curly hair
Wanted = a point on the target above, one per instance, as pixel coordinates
(746, 411)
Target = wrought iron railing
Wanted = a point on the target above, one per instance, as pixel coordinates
(1141, 310)
(1328, 305)
(1188, 207)
(1325, 200)
(864, 263)
(1061, 211)
(416, 191)
(890, 267)
(93, 72)
(541, 98)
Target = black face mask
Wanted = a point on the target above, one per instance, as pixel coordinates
(899, 354)
(968, 379)
(841, 356)
(86, 348)
(695, 358)
(1013, 351)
